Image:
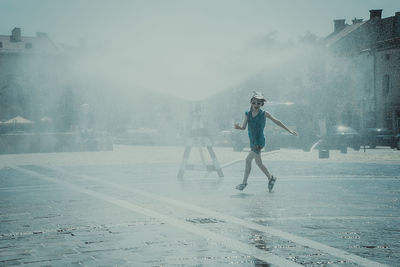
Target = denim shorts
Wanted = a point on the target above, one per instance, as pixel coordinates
(256, 149)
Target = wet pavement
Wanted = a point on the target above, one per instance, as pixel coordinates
(321, 213)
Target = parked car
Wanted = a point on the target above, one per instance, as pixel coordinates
(373, 137)
(340, 137)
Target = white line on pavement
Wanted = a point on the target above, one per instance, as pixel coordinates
(322, 178)
(231, 163)
(330, 218)
(251, 225)
(240, 160)
(344, 177)
(227, 242)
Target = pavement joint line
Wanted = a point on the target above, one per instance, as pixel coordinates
(29, 187)
(69, 230)
(15, 214)
(227, 242)
(247, 224)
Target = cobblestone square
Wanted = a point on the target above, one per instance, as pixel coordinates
(127, 208)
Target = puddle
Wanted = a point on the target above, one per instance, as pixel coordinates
(204, 220)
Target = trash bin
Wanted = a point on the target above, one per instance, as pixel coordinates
(323, 153)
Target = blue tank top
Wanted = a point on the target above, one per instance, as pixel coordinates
(256, 127)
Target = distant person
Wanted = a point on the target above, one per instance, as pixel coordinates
(256, 118)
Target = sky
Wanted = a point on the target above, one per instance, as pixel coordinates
(188, 48)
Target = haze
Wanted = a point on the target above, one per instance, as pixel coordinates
(190, 49)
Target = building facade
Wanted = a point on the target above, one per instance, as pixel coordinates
(30, 68)
(374, 48)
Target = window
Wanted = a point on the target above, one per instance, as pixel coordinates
(388, 119)
(386, 85)
(367, 87)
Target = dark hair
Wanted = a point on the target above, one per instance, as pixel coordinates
(262, 100)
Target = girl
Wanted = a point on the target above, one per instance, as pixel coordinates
(256, 120)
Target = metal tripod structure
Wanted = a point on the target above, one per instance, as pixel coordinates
(199, 137)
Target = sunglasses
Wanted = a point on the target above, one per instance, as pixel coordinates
(257, 103)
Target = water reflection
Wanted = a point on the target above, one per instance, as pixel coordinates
(259, 241)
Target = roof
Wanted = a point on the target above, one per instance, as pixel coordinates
(334, 37)
(380, 29)
(27, 44)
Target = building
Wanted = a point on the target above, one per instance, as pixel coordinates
(37, 102)
(374, 48)
(17, 44)
(30, 67)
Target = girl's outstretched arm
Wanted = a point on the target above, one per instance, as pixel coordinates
(244, 124)
(279, 123)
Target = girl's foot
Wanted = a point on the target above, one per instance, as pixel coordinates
(271, 183)
(241, 186)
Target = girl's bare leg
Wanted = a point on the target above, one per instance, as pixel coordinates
(261, 165)
(247, 169)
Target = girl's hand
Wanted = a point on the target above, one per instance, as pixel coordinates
(293, 132)
(237, 126)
